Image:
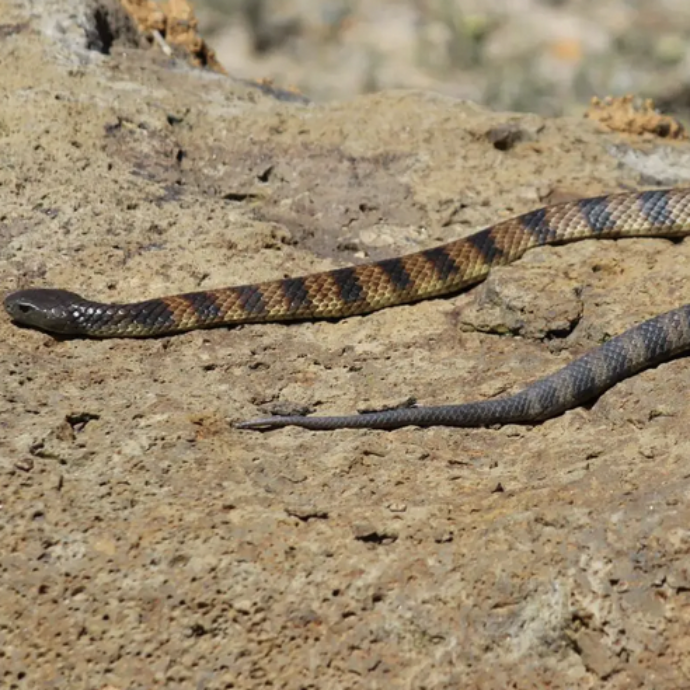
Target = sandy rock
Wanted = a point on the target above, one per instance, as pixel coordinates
(147, 543)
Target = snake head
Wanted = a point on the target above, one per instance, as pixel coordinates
(54, 311)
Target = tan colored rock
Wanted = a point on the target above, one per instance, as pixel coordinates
(146, 543)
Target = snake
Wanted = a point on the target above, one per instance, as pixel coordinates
(433, 272)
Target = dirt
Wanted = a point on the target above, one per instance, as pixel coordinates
(149, 544)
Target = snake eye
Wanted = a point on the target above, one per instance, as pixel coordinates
(25, 308)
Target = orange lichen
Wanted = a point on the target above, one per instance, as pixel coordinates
(632, 115)
(173, 24)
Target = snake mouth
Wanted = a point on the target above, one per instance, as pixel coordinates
(19, 310)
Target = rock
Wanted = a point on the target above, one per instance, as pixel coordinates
(150, 544)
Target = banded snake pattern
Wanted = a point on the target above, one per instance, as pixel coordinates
(440, 270)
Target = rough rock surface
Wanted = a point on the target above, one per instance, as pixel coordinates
(148, 544)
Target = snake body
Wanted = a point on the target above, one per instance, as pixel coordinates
(441, 270)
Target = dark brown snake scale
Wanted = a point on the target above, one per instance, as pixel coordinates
(429, 273)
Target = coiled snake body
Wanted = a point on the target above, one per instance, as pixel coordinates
(429, 273)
